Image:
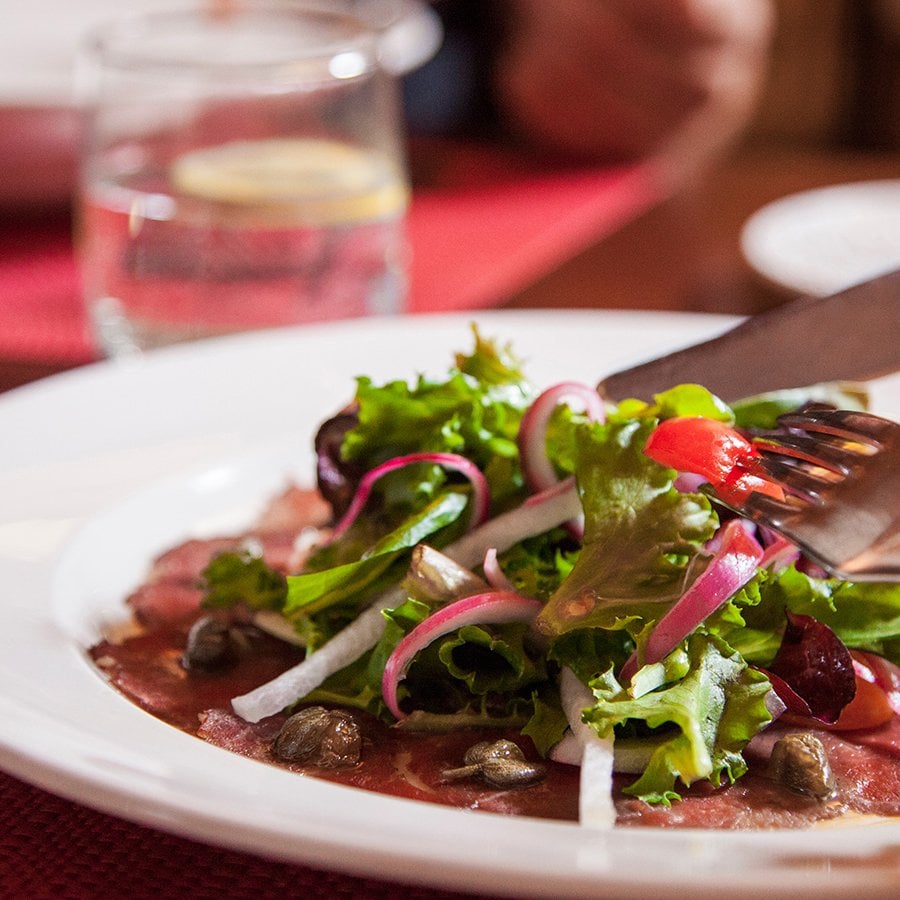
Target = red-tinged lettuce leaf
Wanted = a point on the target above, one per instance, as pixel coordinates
(813, 670)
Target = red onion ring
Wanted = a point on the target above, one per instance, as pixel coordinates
(480, 489)
(491, 607)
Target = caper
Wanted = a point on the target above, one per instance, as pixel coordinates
(501, 764)
(210, 646)
(316, 736)
(800, 762)
(506, 772)
(483, 750)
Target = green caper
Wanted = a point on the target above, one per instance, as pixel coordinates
(483, 750)
(800, 762)
(211, 646)
(315, 736)
(500, 764)
(505, 772)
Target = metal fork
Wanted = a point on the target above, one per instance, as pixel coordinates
(841, 472)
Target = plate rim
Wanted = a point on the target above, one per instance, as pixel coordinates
(757, 231)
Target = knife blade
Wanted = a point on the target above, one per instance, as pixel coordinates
(853, 335)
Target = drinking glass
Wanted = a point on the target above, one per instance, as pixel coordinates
(243, 168)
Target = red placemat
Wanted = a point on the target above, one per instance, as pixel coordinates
(489, 223)
(41, 315)
(51, 848)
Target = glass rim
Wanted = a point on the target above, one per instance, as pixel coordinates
(119, 44)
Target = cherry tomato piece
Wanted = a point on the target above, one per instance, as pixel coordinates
(714, 450)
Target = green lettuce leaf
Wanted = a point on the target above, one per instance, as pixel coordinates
(490, 659)
(711, 712)
(762, 410)
(548, 723)
(312, 592)
(243, 577)
(863, 615)
(640, 535)
(681, 400)
(474, 411)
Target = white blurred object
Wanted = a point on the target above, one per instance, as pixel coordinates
(821, 241)
(38, 41)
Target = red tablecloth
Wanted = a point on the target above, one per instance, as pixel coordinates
(489, 224)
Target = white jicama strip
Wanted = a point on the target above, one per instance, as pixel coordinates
(277, 625)
(595, 803)
(344, 648)
(536, 515)
(567, 751)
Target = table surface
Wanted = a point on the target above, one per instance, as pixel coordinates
(683, 254)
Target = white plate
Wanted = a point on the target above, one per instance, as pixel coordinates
(820, 242)
(104, 467)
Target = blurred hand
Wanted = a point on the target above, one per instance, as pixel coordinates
(626, 79)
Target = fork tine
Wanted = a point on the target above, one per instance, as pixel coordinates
(766, 510)
(850, 425)
(835, 456)
(799, 478)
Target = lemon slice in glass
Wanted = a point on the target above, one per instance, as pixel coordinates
(309, 181)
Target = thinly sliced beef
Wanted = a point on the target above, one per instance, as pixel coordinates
(294, 509)
(159, 602)
(407, 765)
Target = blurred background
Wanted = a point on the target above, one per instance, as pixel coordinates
(834, 76)
(828, 114)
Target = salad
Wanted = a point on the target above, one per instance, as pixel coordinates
(551, 564)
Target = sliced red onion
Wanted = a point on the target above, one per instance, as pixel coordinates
(344, 648)
(733, 565)
(480, 489)
(536, 466)
(539, 513)
(490, 608)
(595, 804)
(714, 544)
(494, 574)
(779, 555)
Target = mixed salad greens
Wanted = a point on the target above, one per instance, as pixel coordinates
(507, 557)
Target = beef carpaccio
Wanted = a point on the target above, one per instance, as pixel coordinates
(147, 664)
